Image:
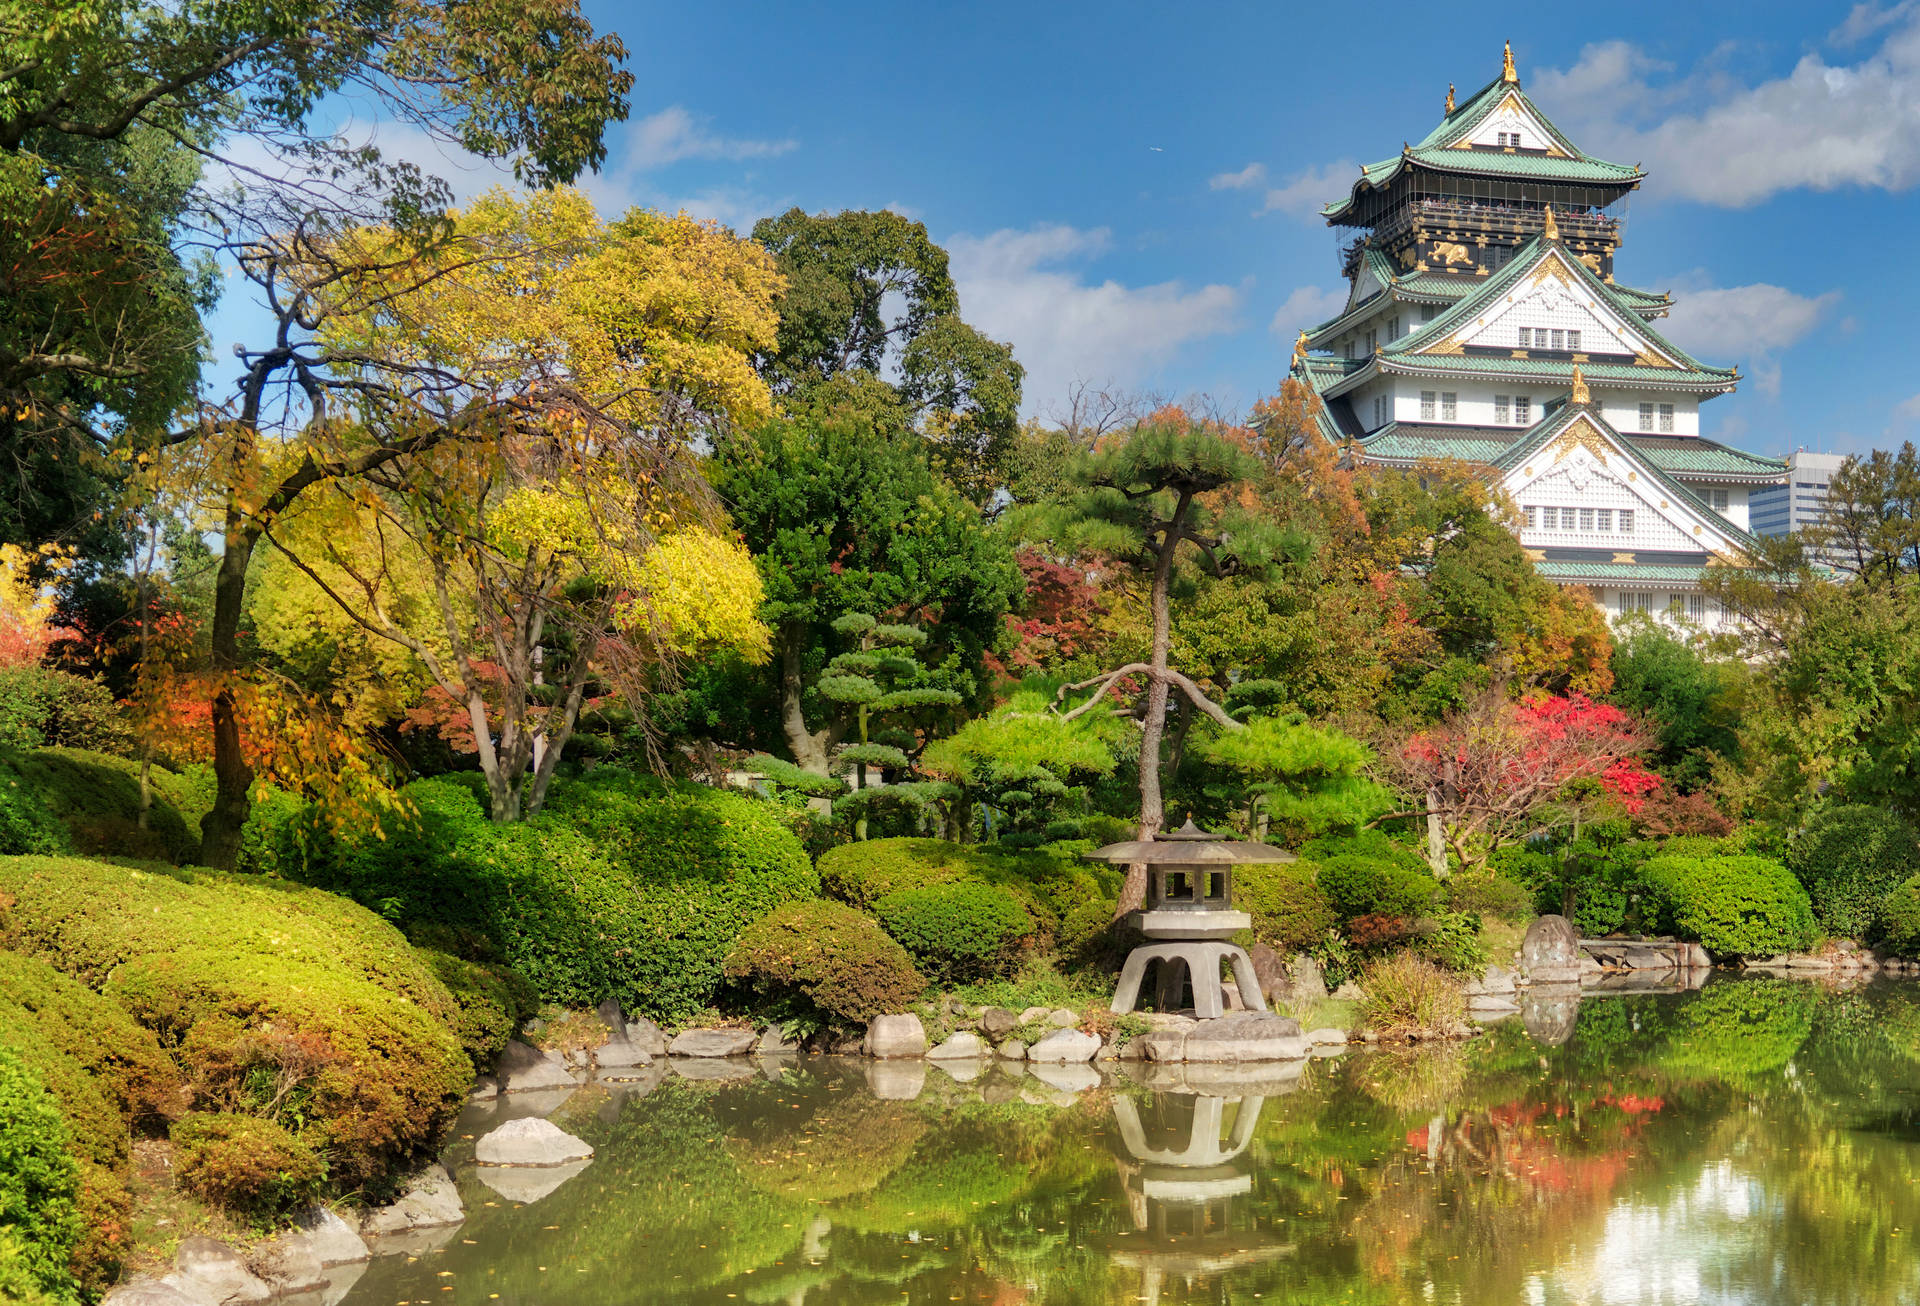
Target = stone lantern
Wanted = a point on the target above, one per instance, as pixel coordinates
(1189, 917)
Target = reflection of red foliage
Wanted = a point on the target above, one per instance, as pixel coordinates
(1062, 606)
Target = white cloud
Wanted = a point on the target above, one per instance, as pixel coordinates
(1908, 410)
(1711, 137)
(1306, 307)
(1305, 193)
(1251, 175)
(1751, 325)
(674, 134)
(1065, 327)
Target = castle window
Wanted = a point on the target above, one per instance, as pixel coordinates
(1697, 607)
(1646, 417)
(1559, 340)
(1573, 340)
(1393, 329)
(1373, 341)
(1426, 405)
(1531, 515)
(1428, 311)
(1603, 519)
(1719, 501)
(1523, 410)
(1379, 411)
(1626, 521)
(1500, 403)
(1666, 417)
(1586, 519)
(1449, 406)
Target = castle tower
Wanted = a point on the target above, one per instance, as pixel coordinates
(1484, 323)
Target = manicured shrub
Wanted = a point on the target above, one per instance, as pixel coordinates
(40, 1215)
(1085, 931)
(249, 1165)
(41, 707)
(491, 1001)
(1736, 906)
(1899, 918)
(826, 959)
(1408, 992)
(1357, 885)
(1485, 891)
(623, 887)
(278, 1000)
(863, 873)
(50, 1013)
(95, 797)
(1850, 858)
(959, 931)
(1451, 939)
(1290, 912)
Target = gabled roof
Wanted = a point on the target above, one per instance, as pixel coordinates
(1697, 458)
(1436, 348)
(1567, 416)
(1447, 149)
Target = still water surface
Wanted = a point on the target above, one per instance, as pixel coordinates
(1757, 1142)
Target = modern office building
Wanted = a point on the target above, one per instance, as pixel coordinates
(1801, 501)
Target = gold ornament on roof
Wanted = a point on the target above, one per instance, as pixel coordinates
(1580, 393)
(1507, 73)
(1449, 97)
(1300, 349)
(1551, 228)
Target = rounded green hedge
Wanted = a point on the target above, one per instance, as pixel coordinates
(622, 888)
(1899, 918)
(1850, 859)
(1052, 882)
(246, 1164)
(1357, 885)
(1290, 912)
(960, 931)
(259, 986)
(40, 1213)
(1735, 906)
(826, 955)
(861, 874)
(492, 1001)
(89, 802)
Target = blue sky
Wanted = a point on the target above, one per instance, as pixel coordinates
(1128, 190)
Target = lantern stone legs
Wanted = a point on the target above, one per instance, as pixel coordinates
(1202, 959)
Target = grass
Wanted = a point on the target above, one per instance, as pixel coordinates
(1039, 984)
(1321, 1013)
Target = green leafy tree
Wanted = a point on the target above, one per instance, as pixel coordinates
(1029, 766)
(845, 273)
(844, 514)
(1692, 703)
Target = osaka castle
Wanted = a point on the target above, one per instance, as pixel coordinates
(1484, 324)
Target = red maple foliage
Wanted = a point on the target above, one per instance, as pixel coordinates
(1063, 607)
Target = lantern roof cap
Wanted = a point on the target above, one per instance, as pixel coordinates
(1189, 846)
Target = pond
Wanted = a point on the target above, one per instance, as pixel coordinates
(1757, 1141)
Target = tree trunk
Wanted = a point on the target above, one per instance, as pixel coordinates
(220, 827)
(1436, 835)
(808, 748)
(1153, 815)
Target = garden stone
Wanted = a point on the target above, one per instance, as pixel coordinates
(1309, 981)
(288, 1264)
(712, 1043)
(528, 1184)
(530, 1142)
(897, 1081)
(1270, 968)
(775, 1043)
(1326, 1037)
(961, 1072)
(1490, 1004)
(485, 1089)
(998, 1092)
(620, 1054)
(850, 1047)
(430, 1201)
(1068, 1077)
(965, 1045)
(523, 1067)
(1551, 951)
(1064, 1045)
(1033, 1015)
(646, 1036)
(1064, 1019)
(1550, 1013)
(1252, 1036)
(333, 1240)
(1350, 992)
(955, 1007)
(1012, 1049)
(611, 1016)
(1497, 981)
(151, 1292)
(208, 1268)
(997, 1022)
(894, 1037)
(773, 1068)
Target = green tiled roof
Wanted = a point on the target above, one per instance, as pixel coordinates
(1474, 444)
(1545, 369)
(1693, 455)
(1436, 151)
(1651, 573)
